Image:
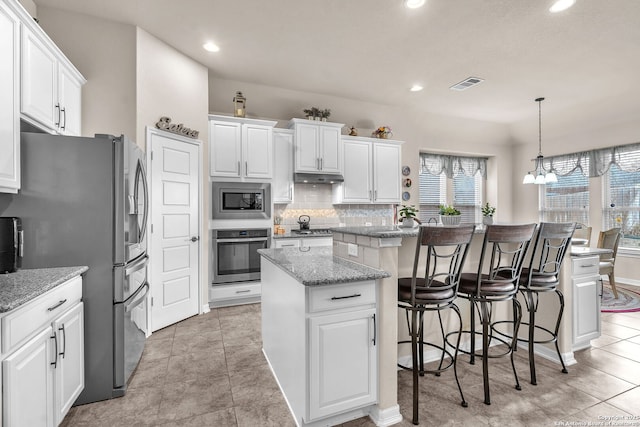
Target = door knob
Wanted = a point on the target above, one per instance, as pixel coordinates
(195, 239)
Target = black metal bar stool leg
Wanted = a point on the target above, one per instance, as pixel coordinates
(517, 318)
(485, 316)
(532, 307)
(561, 311)
(455, 355)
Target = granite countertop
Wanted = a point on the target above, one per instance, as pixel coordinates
(317, 266)
(384, 231)
(581, 251)
(24, 285)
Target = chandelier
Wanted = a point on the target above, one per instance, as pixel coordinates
(539, 175)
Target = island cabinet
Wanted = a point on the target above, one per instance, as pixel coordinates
(374, 172)
(585, 281)
(10, 100)
(240, 148)
(320, 340)
(318, 146)
(282, 188)
(43, 357)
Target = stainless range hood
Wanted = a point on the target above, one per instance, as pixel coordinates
(317, 178)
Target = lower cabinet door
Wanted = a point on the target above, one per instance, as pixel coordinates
(69, 374)
(28, 383)
(342, 362)
(586, 311)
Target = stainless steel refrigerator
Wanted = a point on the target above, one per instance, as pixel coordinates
(84, 201)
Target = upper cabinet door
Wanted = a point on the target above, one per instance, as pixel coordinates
(39, 81)
(9, 101)
(307, 147)
(356, 187)
(225, 149)
(387, 173)
(330, 155)
(282, 188)
(257, 149)
(70, 100)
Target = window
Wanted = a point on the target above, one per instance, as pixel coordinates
(453, 180)
(621, 205)
(566, 200)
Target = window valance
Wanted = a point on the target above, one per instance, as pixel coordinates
(437, 164)
(596, 162)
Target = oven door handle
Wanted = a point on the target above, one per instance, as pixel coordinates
(258, 239)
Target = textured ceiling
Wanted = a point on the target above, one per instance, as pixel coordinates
(374, 50)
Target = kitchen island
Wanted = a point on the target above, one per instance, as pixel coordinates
(320, 333)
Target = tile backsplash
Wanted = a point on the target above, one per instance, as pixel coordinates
(315, 200)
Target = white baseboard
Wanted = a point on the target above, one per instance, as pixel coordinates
(550, 354)
(625, 281)
(386, 417)
(205, 309)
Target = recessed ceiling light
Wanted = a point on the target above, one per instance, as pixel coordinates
(561, 5)
(211, 47)
(414, 4)
(416, 88)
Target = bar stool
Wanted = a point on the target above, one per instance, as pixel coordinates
(503, 251)
(433, 289)
(543, 275)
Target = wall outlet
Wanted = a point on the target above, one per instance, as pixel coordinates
(367, 224)
(352, 249)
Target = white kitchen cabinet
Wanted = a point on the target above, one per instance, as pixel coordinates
(44, 343)
(240, 148)
(343, 361)
(586, 300)
(327, 362)
(69, 372)
(10, 100)
(374, 172)
(50, 85)
(28, 383)
(282, 188)
(318, 146)
(302, 242)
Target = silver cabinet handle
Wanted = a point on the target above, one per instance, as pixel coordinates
(64, 340)
(53, 307)
(244, 291)
(246, 168)
(55, 340)
(57, 107)
(321, 163)
(348, 296)
(64, 123)
(239, 169)
(375, 332)
(375, 195)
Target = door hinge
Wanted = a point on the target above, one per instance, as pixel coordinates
(151, 301)
(152, 228)
(152, 155)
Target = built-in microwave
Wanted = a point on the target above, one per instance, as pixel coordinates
(236, 200)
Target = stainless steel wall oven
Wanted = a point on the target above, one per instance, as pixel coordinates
(235, 257)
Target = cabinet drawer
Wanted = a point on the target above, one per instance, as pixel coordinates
(29, 318)
(585, 266)
(222, 292)
(332, 297)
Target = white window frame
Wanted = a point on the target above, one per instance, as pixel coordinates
(608, 212)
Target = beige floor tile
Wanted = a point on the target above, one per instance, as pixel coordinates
(626, 349)
(189, 366)
(619, 331)
(222, 418)
(198, 344)
(610, 363)
(270, 415)
(628, 402)
(604, 340)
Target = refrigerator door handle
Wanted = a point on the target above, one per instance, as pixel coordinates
(137, 298)
(142, 176)
(139, 264)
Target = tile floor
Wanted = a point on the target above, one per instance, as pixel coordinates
(209, 371)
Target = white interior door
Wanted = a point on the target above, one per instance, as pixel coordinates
(175, 232)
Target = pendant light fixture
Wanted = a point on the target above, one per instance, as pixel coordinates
(539, 175)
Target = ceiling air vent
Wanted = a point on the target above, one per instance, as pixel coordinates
(466, 83)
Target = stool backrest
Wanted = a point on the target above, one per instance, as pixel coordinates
(549, 249)
(447, 249)
(503, 252)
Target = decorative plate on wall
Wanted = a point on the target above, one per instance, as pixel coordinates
(406, 170)
(406, 195)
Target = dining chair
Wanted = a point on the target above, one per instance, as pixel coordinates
(609, 239)
(550, 246)
(582, 232)
(503, 252)
(433, 289)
